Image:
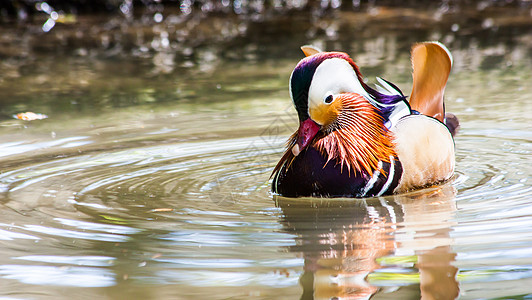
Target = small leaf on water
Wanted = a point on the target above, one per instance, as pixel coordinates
(30, 116)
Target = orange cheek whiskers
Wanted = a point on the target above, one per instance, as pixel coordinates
(358, 138)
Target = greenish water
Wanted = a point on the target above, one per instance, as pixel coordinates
(150, 177)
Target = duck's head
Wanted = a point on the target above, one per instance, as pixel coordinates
(316, 87)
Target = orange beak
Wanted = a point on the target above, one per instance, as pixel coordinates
(307, 131)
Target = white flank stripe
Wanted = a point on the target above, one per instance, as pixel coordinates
(373, 179)
(390, 177)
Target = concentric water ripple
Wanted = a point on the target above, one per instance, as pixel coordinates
(175, 198)
(199, 214)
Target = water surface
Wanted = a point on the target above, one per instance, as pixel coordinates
(150, 177)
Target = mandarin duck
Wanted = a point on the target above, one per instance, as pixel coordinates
(356, 141)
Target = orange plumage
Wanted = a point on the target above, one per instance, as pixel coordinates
(358, 138)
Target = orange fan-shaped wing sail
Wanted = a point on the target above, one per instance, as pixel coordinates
(431, 63)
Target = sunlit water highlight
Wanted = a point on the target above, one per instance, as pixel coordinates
(172, 200)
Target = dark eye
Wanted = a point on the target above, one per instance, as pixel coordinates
(328, 99)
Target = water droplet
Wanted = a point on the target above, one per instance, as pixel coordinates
(165, 43)
(43, 6)
(48, 25)
(455, 27)
(125, 7)
(487, 23)
(237, 6)
(158, 17)
(186, 7)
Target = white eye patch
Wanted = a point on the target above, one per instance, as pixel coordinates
(333, 76)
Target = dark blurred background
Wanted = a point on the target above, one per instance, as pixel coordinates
(138, 28)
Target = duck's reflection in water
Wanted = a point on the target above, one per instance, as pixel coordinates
(345, 241)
